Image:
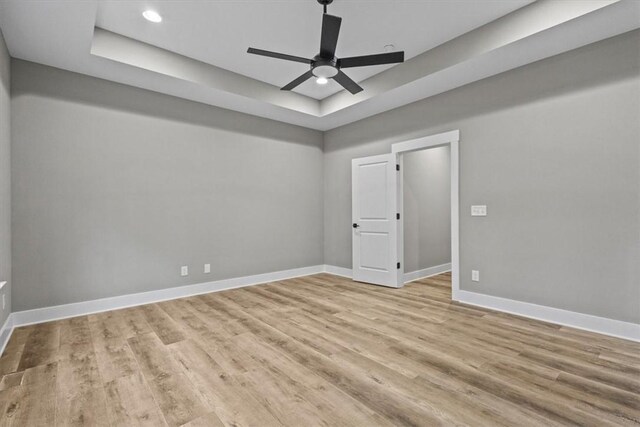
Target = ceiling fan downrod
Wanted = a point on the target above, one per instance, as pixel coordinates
(324, 4)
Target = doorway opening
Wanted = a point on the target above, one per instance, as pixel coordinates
(426, 215)
(428, 199)
(377, 209)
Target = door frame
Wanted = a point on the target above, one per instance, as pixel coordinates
(451, 139)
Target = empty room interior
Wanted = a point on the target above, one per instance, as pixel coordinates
(320, 213)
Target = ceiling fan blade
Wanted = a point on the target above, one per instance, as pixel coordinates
(329, 38)
(278, 55)
(347, 83)
(363, 61)
(303, 78)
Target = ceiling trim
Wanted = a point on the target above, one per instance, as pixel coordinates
(520, 24)
(427, 67)
(116, 47)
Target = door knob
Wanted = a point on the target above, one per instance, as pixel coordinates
(355, 225)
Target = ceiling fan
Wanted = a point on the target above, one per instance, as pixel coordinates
(325, 65)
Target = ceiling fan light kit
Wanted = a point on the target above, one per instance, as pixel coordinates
(326, 65)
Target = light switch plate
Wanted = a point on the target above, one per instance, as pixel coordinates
(479, 210)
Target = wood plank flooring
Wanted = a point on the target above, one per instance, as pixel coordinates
(316, 351)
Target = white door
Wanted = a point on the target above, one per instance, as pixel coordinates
(375, 225)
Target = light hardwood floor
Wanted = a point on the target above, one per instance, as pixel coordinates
(319, 350)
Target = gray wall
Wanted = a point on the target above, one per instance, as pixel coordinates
(114, 188)
(5, 180)
(553, 150)
(427, 208)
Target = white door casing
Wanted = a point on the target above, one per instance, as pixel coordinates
(451, 139)
(374, 221)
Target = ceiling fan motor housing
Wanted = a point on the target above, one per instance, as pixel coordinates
(323, 67)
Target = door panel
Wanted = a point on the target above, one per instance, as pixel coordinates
(375, 226)
(373, 191)
(370, 256)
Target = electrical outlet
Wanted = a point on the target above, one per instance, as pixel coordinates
(475, 275)
(184, 270)
(207, 268)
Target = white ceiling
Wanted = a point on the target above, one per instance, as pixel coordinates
(219, 32)
(200, 47)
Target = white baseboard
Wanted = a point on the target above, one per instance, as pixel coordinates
(5, 332)
(46, 314)
(616, 328)
(338, 271)
(426, 272)
(408, 277)
(587, 322)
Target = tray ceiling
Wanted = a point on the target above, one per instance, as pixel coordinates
(198, 51)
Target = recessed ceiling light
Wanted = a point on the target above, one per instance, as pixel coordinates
(152, 15)
(321, 81)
